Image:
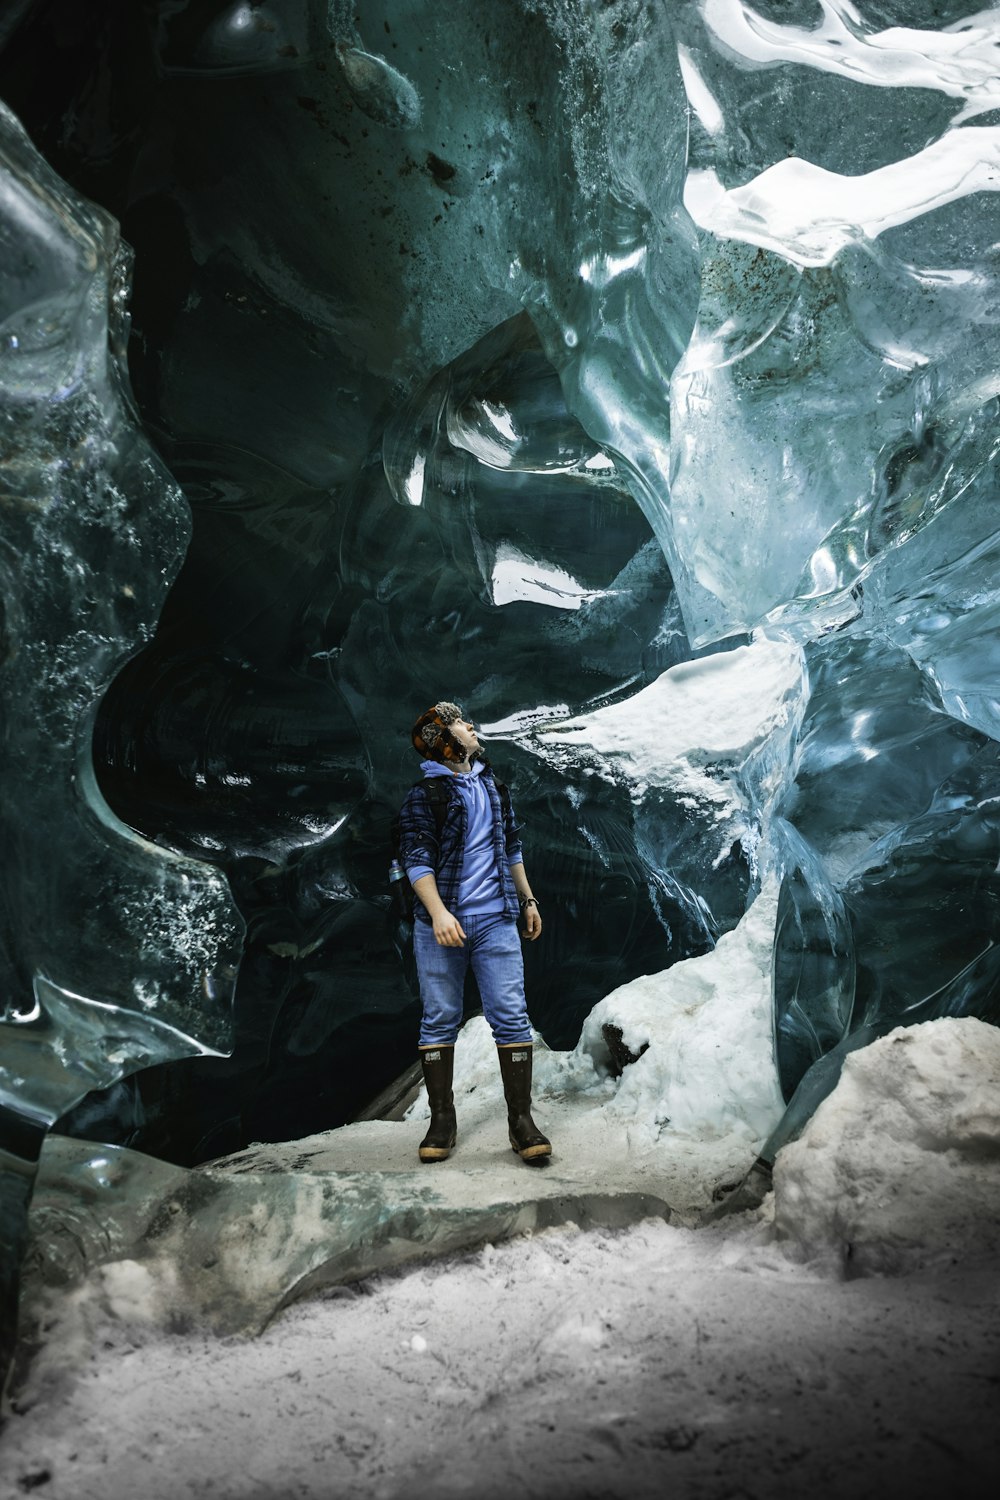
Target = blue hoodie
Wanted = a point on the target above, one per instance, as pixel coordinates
(480, 889)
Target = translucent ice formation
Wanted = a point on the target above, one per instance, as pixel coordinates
(113, 954)
(330, 206)
(834, 460)
(384, 358)
(834, 396)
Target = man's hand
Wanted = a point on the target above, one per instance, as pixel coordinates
(532, 923)
(448, 930)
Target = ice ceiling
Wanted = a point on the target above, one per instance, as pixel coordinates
(509, 352)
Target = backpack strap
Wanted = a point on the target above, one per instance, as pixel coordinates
(438, 796)
(503, 792)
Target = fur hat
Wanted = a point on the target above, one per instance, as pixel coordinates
(431, 734)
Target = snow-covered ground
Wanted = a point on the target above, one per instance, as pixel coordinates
(842, 1340)
(652, 1361)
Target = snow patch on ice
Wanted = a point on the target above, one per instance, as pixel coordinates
(706, 1024)
(134, 1293)
(685, 731)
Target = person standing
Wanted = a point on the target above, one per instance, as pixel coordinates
(467, 872)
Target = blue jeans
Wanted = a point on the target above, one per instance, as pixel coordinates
(493, 948)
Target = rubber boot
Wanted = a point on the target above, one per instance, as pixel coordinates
(438, 1065)
(515, 1070)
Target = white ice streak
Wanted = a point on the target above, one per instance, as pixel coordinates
(808, 215)
(700, 96)
(518, 579)
(959, 60)
(520, 723)
(413, 484)
(492, 438)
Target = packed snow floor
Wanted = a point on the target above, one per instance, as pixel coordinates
(650, 1361)
(842, 1340)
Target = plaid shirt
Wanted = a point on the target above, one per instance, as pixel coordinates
(418, 843)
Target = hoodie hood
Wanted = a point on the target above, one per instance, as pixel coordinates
(435, 768)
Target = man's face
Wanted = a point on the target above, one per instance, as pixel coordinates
(465, 735)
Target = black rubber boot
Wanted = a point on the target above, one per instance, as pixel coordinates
(515, 1070)
(438, 1065)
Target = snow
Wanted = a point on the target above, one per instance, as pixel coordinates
(657, 1360)
(696, 711)
(706, 1022)
(899, 1169)
(695, 730)
(841, 1340)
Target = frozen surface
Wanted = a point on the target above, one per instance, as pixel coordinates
(615, 1363)
(230, 1244)
(567, 1362)
(842, 323)
(114, 955)
(667, 325)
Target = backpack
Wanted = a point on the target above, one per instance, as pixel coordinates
(438, 795)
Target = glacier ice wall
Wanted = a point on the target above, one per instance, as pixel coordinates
(113, 954)
(523, 354)
(837, 392)
(834, 467)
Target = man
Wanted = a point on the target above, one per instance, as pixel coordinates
(471, 886)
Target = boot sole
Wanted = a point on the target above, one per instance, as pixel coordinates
(434, 1153)
(531, 1153)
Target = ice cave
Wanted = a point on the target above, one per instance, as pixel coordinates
(627, 371)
